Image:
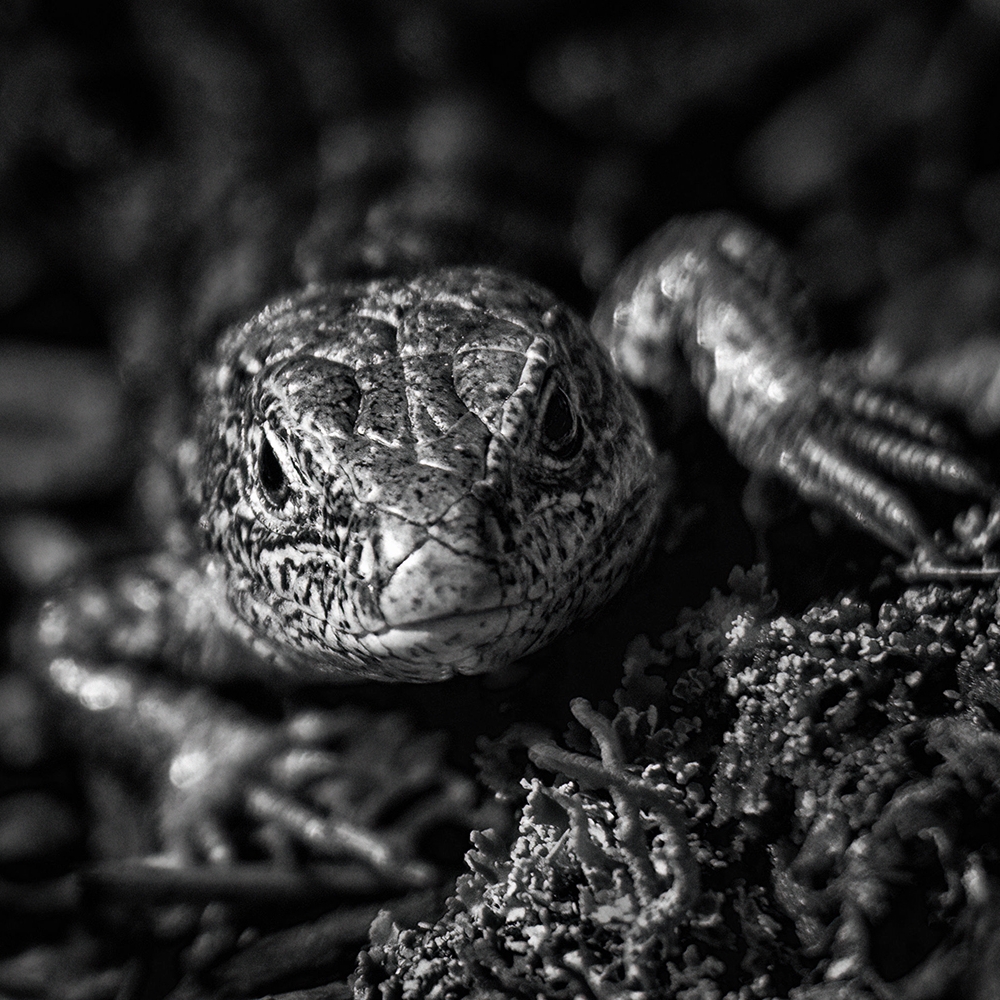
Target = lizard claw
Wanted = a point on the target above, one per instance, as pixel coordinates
(711, 304)
(898, 438)
(858, 445)
(933, 565)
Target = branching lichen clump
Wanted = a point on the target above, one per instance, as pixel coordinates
(561, 915)
(782, 805)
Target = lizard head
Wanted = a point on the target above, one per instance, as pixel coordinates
(411, 479)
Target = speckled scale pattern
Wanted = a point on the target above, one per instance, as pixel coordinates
(424, 528)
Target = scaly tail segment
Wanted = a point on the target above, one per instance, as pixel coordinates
(721, 295)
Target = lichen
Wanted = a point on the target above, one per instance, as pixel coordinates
(778, 804)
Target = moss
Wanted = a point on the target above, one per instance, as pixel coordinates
(776, 805)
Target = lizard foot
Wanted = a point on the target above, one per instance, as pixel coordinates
(340, 787)
(857, 452)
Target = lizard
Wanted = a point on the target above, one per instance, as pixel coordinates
(406, 479)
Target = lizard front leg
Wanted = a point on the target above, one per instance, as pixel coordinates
(224, 784)
(711, 301)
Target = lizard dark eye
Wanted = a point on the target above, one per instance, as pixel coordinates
(272, 477)
(562, 433)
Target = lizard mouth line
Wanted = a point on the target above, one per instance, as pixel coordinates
(482, 619)
(448, 622)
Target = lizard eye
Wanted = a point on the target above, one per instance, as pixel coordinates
(272, 476)
(562, 432)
